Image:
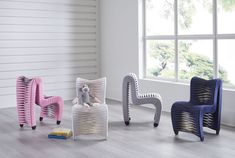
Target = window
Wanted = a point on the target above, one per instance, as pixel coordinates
(186, 38)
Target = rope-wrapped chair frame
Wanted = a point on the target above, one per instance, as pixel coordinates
(30, 92)
(130, 85)
(93, 119)
(203, 109)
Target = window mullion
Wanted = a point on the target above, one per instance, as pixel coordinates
(176, 40)
(144, 40)
(215, 47)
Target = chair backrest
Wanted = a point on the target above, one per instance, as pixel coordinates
(205, 91)
(33, 84)
(97, 87)
(25, 94)
(39, 90)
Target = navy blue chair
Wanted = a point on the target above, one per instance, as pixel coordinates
(203, 109)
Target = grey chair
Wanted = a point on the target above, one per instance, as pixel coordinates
(131, 81)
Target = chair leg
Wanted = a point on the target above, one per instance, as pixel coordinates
(40, 118)
(200, 126)
(125, 102)
(58, 122)
(74, 137)
(175, 121)
(127, 123)
(105, 135)
(59, 109)
(126, 114)
(202, 138)
(158, 111)
(155, 124)
(218, 123)
(176, 132)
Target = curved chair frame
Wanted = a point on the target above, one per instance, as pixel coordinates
(131, 81)
(30, 92)
(93, 119)
(203, 109)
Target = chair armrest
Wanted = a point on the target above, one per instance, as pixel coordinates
(151, 95)
(75, 101)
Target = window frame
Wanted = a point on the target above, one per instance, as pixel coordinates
(176, 37)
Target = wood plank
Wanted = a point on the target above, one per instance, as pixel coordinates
(50, 79)
(48, 72)
(46, 43)
(46, 58)
(46, 29)
(46, 22)
(49, 65)
(56, 40)
(47, 36)
(47, 15)
(50, 7)
(9, 51)
(57, 2)
(139, 139)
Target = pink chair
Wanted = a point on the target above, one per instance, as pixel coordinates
(30, 92)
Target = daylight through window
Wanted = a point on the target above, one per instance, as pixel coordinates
(186, 38)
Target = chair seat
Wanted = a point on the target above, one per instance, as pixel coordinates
(187, 106)
(90, 109)
(49, 101)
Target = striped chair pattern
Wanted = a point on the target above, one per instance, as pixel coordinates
(94, 119)
(203, 109)
(25, 94)
(30, 92)
(131, 81)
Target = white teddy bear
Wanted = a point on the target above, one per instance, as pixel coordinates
(85, 97)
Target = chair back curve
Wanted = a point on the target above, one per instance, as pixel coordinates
(205, 92)
(130, 91)
(29, 91)
(97, 87)
(203, 109)
(39, 90)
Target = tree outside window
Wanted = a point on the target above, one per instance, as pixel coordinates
(193, 31)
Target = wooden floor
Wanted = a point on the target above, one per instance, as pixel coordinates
(138, 140)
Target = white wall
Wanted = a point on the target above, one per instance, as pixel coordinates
(56, 40)
(119, 38)
(120, 55)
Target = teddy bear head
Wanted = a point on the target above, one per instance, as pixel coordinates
(85, 88)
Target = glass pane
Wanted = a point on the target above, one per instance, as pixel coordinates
(159, 17)
(226, 56)
(160, 58)
(226, 14)
(195, 59)
(195, 17)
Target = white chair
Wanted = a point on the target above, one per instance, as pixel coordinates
(94, 119)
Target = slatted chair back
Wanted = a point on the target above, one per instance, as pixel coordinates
(204, 92)
(97, 88)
